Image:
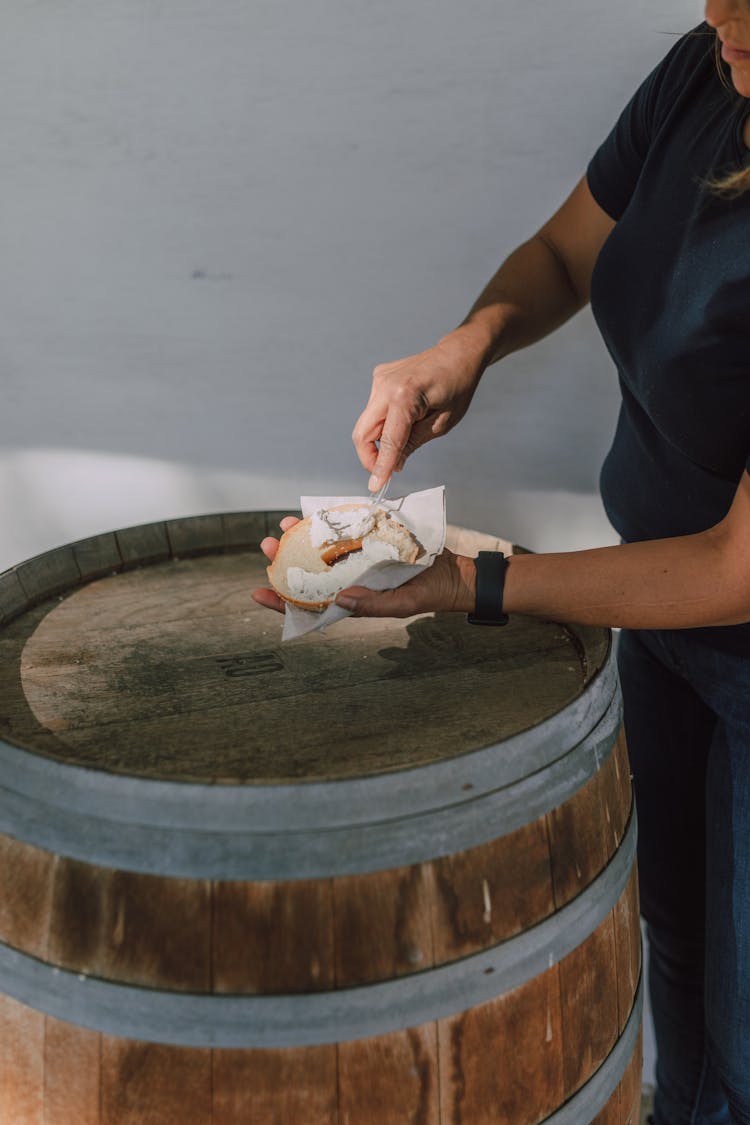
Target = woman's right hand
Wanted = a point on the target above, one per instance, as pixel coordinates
(414, 400)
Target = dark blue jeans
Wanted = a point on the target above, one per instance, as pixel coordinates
(687, 721)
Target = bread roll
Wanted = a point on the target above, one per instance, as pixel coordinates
(331, 549)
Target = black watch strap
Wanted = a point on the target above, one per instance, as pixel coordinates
(488, 606)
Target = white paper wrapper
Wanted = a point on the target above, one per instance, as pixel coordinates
(422, 512)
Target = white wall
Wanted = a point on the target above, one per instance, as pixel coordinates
(218, 216)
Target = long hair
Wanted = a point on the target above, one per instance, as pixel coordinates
(735, 183)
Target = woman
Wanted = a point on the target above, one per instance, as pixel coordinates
(657, 234)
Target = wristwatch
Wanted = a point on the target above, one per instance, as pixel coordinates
(488, 606)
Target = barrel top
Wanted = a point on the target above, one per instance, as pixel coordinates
(141, 652)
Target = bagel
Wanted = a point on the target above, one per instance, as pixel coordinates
(331, 549)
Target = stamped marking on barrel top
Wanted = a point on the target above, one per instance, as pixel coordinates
(250, 664)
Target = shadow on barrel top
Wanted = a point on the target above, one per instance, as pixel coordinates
(444, 641)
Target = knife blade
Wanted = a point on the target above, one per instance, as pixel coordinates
(379, 495)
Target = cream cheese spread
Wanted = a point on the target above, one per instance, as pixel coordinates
(330, 526)
(309, 586)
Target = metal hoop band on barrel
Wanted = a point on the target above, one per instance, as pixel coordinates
(335, 828)
(187, 1019)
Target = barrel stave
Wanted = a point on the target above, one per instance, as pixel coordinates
(276, 1087)
(21, 1063)
(391, 1077)
(503, 1061)
(124, 926)
(26, 878)
(586, 830)
(588, 988)
(273, 937)
(489, 894)
(72, 1087)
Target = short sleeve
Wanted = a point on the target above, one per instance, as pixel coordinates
(615, 167)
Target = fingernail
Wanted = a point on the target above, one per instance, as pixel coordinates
(374, 483)
(346, 603)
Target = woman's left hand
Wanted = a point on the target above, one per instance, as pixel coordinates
(446, 586)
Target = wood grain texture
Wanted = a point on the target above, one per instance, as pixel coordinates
(390, 1078)
(97, 555)
(615, 798)
(497, 1066)
(12, 596)
(490, 893)
(578, 844)
(588, 990)
(627, 947)
(171, 670)
(26, 878)
(154, 1085)
(622, 771)
(144, 544)
(611, 1113)
(136, 929)
(195, 534)
(273, 937)
(49, 574)
(21, 1064)
(72, 1074)
(502, 1063)
(276, 1087)
(244, 529)
(382, 925)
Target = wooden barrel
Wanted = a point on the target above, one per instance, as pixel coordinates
(377, 876)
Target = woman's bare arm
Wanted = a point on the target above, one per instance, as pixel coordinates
(684, 582)
(689, 581)
(544, 282)
(540, 286)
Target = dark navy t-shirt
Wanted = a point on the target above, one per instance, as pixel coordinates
(671, 296)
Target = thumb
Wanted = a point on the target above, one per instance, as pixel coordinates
(362, 602)
(388, 460)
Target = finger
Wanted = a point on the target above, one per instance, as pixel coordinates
(269, 546)
(394, 445)
(362, 602)
(365, 437)
(440, 424)
(268, 599)
(423, 431)
(383, 430)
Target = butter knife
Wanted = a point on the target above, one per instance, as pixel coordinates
(379, 495)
